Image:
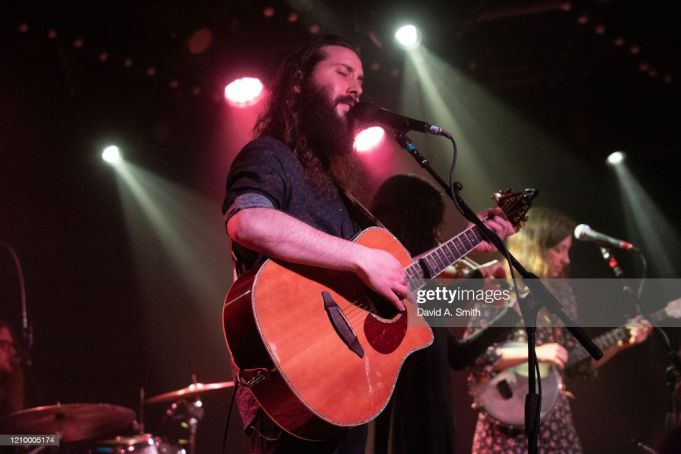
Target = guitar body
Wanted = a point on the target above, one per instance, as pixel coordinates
(299, 361)
(502, 399)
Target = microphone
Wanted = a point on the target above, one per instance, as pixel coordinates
(371, 113)
(585, 233)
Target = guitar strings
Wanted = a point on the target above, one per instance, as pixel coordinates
(357, 310)
(351, 311)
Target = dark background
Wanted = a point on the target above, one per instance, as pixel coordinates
(124, 287)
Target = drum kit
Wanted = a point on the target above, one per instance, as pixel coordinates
(81, 427)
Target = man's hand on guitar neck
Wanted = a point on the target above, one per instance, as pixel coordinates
(280, 236)
(497, 223)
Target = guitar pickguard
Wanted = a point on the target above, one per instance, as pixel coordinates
(385, 335)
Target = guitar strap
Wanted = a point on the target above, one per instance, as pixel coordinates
(358, 211)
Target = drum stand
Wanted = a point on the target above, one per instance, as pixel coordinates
(195, 415)
(188, 414)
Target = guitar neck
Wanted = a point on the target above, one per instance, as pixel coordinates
(609, 339)
(660, 316)
(603, 342)
(436, 261)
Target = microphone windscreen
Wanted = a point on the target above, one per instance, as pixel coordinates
(581, 229)
(364, 111)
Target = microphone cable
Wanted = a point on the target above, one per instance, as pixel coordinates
(229, 417)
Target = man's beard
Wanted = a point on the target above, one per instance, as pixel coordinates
(327, 134)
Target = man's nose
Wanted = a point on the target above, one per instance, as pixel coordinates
(355, 89)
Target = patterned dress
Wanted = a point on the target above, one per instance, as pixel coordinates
(557, 432)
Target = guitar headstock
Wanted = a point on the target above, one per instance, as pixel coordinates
(515, 205)
(673, 308)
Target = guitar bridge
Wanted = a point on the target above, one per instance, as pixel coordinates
(341, 325)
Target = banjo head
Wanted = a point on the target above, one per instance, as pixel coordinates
(502, 399)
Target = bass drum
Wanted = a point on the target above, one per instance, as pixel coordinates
(140, 444)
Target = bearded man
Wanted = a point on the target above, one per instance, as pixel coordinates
(283, 201)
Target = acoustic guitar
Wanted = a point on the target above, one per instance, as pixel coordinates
(319, 350)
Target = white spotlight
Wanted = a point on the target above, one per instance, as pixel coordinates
(408, 37)
(369, 139)
(616, 158)
(244, 92)
(112, 155)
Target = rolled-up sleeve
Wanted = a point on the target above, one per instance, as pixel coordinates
(248, 200)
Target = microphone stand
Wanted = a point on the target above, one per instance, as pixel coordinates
(673, 371)
(529, 306)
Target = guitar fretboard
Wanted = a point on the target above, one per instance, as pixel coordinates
(609, 339)
(603, 342)
(436, 261)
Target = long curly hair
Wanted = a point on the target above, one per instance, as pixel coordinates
(544, 229)
(282, 116)
(412, 209)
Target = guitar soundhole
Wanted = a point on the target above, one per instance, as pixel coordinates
(385, 335)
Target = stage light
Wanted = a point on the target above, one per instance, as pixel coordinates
(408, 37)
(616, 158)
(369, 139)
(200, 41)
(244, 92)
(647, 225)
(112, 155)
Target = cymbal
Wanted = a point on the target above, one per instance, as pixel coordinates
(126, 441)
(75, 422)
(189, 391)
(135, 440)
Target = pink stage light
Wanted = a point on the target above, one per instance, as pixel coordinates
(369, 139)
(244, 92)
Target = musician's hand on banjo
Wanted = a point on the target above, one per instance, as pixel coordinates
(493, 270)
(552, 353)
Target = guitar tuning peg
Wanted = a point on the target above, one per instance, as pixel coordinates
(531, 194)
(501, 194)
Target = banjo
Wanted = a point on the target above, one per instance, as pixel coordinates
(502, 398)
